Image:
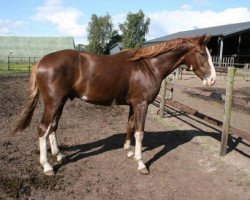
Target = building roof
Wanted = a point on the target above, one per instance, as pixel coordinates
(119, 44)
(33, 46)
(224, 30)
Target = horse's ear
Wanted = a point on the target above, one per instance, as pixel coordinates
(204, 39)
(207, 39)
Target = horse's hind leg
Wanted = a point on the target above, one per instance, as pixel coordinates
(47, 167)
(45, 128)
(53, 139)
(55, 151)
(130, 131)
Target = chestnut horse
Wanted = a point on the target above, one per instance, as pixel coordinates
(132, 77)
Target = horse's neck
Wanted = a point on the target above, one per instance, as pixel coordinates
(167, 62)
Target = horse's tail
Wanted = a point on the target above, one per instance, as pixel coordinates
(24, 119)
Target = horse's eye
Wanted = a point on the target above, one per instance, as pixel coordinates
(202, 53)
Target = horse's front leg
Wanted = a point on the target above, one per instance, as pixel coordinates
(130, 131)
(140, 111)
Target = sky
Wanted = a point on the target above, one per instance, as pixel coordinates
(70, 17)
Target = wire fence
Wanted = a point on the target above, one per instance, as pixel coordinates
(11, 63)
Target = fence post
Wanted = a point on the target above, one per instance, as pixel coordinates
(180, 73)
(163, 95)
(8, 63)
(227, 112)
(29, 63)
(177, 72)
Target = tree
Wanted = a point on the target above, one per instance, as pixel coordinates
(99, 33)
(134, 29)
(80, 47)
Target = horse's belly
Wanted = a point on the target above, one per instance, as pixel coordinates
(102, 93)
(104, 100)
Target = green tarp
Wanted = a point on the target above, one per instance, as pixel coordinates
(13, 46)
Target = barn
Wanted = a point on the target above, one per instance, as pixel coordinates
(229, 43)
(35, 47)
(117, 47)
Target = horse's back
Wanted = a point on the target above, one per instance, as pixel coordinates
(99, 78)
(103, 78)
(59, 59)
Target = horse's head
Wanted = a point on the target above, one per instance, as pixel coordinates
(199, 60)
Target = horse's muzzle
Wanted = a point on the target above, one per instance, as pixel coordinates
(209, 81)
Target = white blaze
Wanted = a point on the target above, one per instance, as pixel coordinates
(210, 79)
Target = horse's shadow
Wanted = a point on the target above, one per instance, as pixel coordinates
(169, 140)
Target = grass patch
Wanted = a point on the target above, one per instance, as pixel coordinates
(22, 68)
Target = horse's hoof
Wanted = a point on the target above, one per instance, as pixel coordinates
(144, 171)
(63, 160)
(130, 154)
(60, 157)
(50, 173)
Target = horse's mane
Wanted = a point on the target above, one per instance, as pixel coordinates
(157, 49)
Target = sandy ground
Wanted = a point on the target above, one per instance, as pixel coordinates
(180, 152)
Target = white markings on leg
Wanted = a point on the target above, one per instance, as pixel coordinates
(43, 151)
(85, 98)
(127, 148)
(141, 165)
(54, 147)
(138, 149)
(127, 145)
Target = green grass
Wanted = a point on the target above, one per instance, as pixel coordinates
(14, 68)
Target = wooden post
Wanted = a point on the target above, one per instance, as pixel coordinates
(227, 112)
(238, 49)
(29, 64)
(177, 71)
(174, 78)
(221, 52)
(180, 74)
(8, 63)
(163, 100)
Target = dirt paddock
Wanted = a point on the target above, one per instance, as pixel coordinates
(180, 151)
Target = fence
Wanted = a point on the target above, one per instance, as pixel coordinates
(17, 63)
(225, 62)
(228, 61)
(240, 71)
(225, 125)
